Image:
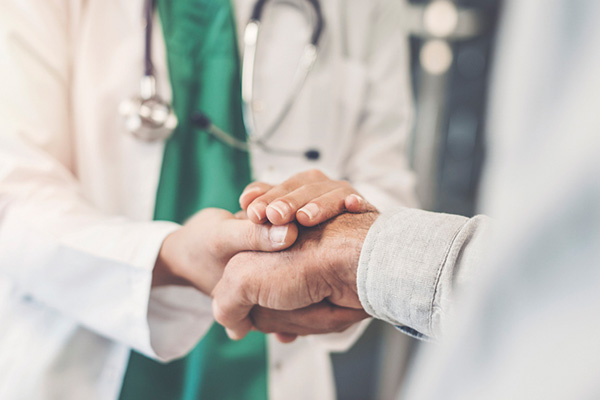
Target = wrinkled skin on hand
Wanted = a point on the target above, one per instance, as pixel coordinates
(318, 271)
(197, 253)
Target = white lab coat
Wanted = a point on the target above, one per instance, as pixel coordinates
(77, 240)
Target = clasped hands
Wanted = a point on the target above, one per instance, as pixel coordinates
(286, 264)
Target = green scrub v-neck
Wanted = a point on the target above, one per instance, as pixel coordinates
(199, 171)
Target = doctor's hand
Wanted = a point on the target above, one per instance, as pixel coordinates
(197, 253)
(309, 197)
(321, 266)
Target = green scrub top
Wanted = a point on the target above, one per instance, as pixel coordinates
(199, 171)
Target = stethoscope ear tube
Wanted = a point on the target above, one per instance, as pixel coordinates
(319, 25)
(305, 65)
(149, 7)
(317, 29)
(248, 63)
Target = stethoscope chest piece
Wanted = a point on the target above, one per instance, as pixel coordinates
(148, 117)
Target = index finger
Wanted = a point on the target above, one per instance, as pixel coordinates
(252, 191)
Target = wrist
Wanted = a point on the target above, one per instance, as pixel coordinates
(167, 269)
(343, 256)
(183, 261)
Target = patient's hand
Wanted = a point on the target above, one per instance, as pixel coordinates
(317, 272)
(309, 198)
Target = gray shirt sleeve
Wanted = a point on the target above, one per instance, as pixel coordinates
(411, 263)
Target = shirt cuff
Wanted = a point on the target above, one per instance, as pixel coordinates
(401, 264)
(172, 319)
(178, 317)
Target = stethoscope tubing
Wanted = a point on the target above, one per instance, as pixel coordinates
(251, 35)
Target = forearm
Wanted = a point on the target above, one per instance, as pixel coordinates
(413, 261)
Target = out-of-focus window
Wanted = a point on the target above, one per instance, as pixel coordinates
(451, 47)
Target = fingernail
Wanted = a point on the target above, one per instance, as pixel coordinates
(254, 212)
(358, 198)
(282, 208)
(311, 210)
(277, 234)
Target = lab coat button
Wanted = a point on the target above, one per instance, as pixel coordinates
(277, 366)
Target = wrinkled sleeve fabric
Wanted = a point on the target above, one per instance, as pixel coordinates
(55, 246)
(413, 262)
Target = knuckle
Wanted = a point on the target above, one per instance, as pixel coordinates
(314, 174)
(219, 315)
(317, 189)
(345, 185)
(257, 186)
(287, 186)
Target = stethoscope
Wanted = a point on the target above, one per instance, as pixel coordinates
(149, 118)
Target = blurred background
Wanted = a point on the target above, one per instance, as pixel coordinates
(451, 46)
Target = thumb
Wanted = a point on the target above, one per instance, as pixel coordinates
(236, 235)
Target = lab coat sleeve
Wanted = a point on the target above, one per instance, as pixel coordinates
(377, 164)
(413, 263)
(55, 246)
